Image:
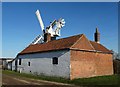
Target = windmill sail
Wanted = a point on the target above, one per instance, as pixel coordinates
(38, 39)
(40, 19)
(53, 29)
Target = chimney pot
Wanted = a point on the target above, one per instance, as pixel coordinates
(97, 36)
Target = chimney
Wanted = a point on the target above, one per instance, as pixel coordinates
(47, 37)
(97, 36)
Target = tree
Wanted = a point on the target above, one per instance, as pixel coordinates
(115, 55)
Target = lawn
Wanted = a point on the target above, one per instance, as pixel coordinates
(100, 80)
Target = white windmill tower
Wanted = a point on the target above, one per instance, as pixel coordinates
(53, 29)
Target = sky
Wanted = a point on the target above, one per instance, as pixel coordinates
(20, 25)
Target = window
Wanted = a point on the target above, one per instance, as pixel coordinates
(28, 63)
(55, 60)
(20, 60)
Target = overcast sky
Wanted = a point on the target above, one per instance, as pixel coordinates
(20, 25)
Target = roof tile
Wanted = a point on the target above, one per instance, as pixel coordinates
(52, 45)
(59, 44)
(99, 47)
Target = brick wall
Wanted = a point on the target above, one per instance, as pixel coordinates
(89, 64)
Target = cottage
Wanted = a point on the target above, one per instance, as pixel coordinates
(71, 57)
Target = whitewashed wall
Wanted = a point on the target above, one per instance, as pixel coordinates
(13, 65)
(41, 63)
(9, 66)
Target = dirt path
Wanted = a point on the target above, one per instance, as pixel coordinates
(13, 80)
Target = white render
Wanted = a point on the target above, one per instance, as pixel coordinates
(41, 63)
(9, 66)
(13, 65)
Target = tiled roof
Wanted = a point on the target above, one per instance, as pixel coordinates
(64, 43)
(99, 47)
(59, 44)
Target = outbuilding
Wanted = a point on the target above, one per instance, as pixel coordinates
(71, 57)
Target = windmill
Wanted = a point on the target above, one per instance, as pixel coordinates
(53, 29)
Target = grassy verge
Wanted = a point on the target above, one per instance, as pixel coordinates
(100, 80)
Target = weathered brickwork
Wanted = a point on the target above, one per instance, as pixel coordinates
(89, 64)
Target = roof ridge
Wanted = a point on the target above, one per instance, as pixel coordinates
(65, 38)
(69, 36)
(77, 40)
(99, 45)
(89, 43)
(58, 39)
(94, 41)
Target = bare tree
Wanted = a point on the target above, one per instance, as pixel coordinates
(115, 55)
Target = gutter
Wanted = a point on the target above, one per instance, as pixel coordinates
(42, 51)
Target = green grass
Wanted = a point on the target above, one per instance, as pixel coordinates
(100, 80)
(48, 78)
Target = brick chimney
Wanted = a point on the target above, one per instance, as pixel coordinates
(97, 36)
(47, 37)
